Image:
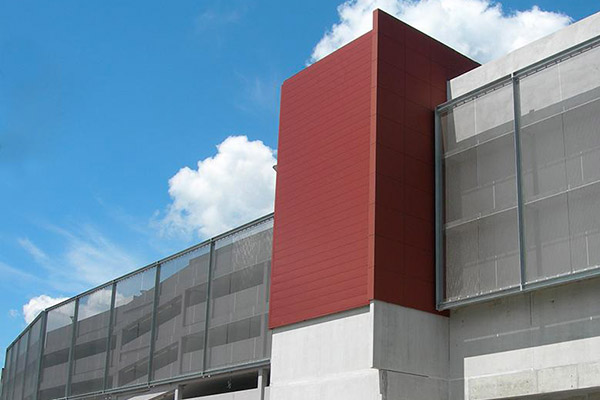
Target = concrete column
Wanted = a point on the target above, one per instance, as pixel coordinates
(178, 394)
(262, 382)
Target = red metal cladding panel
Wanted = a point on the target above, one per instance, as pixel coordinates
(354, 205)
(320, 244)
(412, 70)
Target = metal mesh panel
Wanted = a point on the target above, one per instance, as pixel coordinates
(482, 256)
(238, 328)
(91, 338)
(584, 225)
(57, 345)
(181, 315)
(4, 375)
(20, 366)
(238, 304)
(33, 357)
(559, 146)
(480, 219)
(18, 359)
(130, 344)
(8, 374)
(560, 141)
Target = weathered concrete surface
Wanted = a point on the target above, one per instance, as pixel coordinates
(382, 352)
(325, 358)
(400, 386)
(252, 394)
(410, 350)
(541, 342)
(410, 341)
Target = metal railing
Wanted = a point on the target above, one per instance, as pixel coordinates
(243, 254)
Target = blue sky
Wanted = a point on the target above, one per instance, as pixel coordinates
(103, 102)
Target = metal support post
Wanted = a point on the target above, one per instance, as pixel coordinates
(439, 217)
(262, 383)
(153, 326)
(41, 354)
(178, 393)
(111, 317)
(519, 177)
(211, 261)
(72, 349)
(26, 360)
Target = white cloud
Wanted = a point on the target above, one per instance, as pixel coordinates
(13, 313)
(480, 29)
(232, 187)
(38, 304)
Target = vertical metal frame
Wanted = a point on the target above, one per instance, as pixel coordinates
(23, 341)
(211, 262)
(264, 319)
(519, 177)
(439, 207)
(110, 333)
(41, 354)
(72, 349)
(153, 325)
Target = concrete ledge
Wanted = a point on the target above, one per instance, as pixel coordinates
(358, 385)
(545, 47)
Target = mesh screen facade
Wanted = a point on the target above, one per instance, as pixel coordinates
(131, 333)
(91, 339)
(181, 315)
(237, 323)
(57, 351)
(150, 326)
(481, 227)
(33, 357)
(519, 204)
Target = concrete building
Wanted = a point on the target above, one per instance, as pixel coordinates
(436, 236)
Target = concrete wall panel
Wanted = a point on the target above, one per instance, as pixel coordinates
(326, 358)
(399, 386)
(540, 342)
(410, 341)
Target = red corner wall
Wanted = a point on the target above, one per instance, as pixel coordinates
(354, 210)
(410, 71)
